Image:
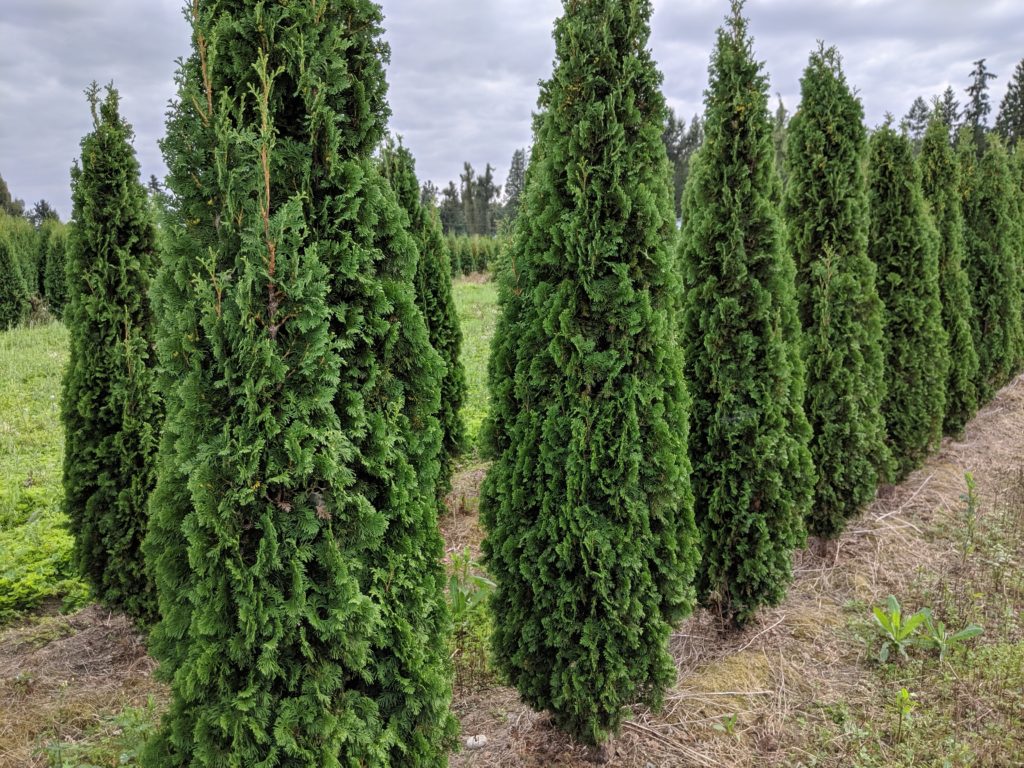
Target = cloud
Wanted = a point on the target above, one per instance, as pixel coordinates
(464, 73)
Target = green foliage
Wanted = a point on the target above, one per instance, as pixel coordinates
(477, 305)
(898, 632)
(13, 293)
(294, 535)
(36, 564)
(940, 183)
(1010, 122)
(468, 592)
(434, 298)
(109, 408)
(904, 245)
(753, 477)
(114, 741)
(935, 636)
(826, 208)
(992, 261)
(55, 286)
(591, 539)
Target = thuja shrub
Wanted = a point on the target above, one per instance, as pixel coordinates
(13, 294)
(826, 207)
(588, 510)
(55, 287)
(109, 407)
(294, 534)
(433, 284)
(940, 183)
(753, 478)
(904, 246)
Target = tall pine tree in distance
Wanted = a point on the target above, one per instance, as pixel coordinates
(826, 209)
(992, 260)
(1010, 121)
(13, 294)
(294, 535)
(940, 183)
(753, 478)
(904, 246)
(588, 510)
(109, 406)
(434, 297)
(979, 105)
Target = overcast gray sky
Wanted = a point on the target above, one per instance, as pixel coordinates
(464, 73)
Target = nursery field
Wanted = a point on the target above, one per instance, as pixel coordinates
(806, 684)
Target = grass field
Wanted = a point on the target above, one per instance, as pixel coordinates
(803, 687)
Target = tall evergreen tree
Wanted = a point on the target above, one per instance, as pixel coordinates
(55, 287)
(1010, 122)
(109, 406)
(514, 184)
(467, 193)
(991, 259)
(948, 108)
(752, 473)
(915, 122)
(8, 203)
(486, 193)
(940, 183)
(904, 245)
(826, 209)
(13, 294)
(979, 105)
(434, 297)
(452, 219)
(591, 538)
(294, 534)
(780, 128)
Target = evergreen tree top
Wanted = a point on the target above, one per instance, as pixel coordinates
(1010, 122)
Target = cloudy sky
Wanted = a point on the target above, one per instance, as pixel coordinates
(464, 73)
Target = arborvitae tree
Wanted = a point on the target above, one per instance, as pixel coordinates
(1017, 181)
(780, 129)
(940, 183)
(904, 246)
(991, 259)
(1010, 122)
(55, 287)
(13, 294)
(753, 478)
(24, 243)
(978, 105)
(588, 510)
(826, 206)
(434, 297)
(294, 533)
(915, 122)
(109, 406)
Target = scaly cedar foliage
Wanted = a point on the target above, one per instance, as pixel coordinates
(940, 183)
(109, 405)
(294, 534)
(55, 287)
(826, 207)
(13, 294)
(434, 298)
(904, 245)
(587, 507)
(992, 261)
(753, 477)
(1017, 171)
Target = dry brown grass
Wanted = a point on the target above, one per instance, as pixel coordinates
(60, 675)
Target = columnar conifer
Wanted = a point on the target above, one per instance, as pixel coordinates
(940, 182)
(826, 208)
(434, 298)
(55, 268)
(752, 469)
(294, 534)
(13, 295)
(992, 262)
(904, 245)
(109, 406)
(588, 509)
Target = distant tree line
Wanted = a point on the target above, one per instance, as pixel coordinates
(475, 205)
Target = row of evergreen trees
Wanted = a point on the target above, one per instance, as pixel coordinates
(829, 334)
(475, 205)
(472, 254)
(271, 376)
(32, 266)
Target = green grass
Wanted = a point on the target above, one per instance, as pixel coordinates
(477, 305)
(35, 547)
